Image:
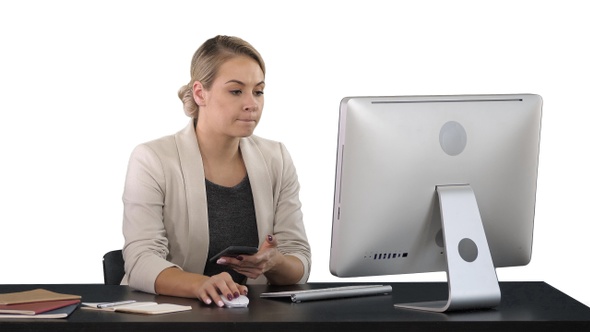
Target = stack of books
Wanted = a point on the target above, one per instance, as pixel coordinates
(37, 303)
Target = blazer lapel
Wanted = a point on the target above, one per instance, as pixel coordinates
(261, 183)
(191, 164)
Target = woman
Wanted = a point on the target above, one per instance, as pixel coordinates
(211, 185)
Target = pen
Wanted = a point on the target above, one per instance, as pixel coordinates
(112, 304)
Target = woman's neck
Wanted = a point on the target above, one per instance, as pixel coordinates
(222, 159)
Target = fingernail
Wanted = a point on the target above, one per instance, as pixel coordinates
(221, 261)
(269, 238)
(220, 304)
(208, 301)
(240, 258)
(229, 297)
(236, 294)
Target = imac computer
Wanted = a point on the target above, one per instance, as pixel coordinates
(436, 183)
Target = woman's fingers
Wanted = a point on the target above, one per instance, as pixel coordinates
(217, 285)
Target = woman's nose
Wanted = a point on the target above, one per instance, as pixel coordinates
(251, 104)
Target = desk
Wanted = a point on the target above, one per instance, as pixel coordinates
(526, 306)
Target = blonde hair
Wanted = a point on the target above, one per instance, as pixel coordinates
(206, 62)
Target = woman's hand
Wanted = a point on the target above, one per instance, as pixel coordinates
(268, 261)
(175, 282)
(210, 289)
(253, 266)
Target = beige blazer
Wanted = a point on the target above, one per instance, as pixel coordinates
(165, 219)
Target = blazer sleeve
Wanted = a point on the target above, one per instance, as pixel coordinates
(146, 243)
(288, 219)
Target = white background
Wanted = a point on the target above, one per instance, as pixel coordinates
(83, 82)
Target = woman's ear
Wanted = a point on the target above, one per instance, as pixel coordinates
(199, 93)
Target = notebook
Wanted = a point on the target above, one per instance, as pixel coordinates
(57, 313)
(35, 308)
(146, 308)
(35, 295)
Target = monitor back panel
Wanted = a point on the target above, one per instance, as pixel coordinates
(394, 151)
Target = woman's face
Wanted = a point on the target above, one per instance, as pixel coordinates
(233, 105)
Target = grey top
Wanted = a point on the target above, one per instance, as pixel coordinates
(232, 222)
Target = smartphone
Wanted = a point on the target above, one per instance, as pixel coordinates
(233, 251)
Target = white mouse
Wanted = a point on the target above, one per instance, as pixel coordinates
(238, 302)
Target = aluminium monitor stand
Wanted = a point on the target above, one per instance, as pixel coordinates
(471, 275)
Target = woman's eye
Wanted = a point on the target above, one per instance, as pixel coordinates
(259, 93)
(236, 92)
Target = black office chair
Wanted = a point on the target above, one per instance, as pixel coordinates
(113, 267)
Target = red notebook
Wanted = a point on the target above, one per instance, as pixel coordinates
(35, 308)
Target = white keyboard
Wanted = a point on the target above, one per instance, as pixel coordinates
(330, 292)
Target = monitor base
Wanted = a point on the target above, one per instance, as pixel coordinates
(471, 275)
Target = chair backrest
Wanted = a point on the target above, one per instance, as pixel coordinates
(113, 267)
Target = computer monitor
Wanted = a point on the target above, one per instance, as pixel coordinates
(436, 183)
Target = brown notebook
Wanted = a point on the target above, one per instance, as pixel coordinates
(35, 295)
